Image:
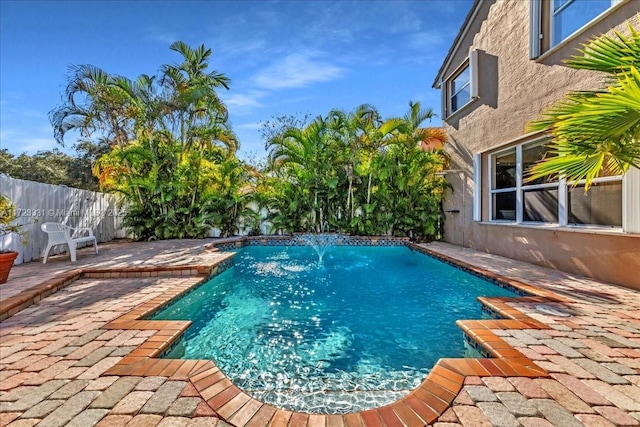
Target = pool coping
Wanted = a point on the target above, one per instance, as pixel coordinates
(421, 406)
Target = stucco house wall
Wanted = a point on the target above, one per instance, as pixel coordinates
(512, 90)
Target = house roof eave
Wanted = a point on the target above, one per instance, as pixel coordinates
(456, 42)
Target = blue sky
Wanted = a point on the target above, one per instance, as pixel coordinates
(285, 57)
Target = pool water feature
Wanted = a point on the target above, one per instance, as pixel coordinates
(319, 242)
(356, 331)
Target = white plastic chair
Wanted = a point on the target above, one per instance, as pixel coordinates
(60, 234)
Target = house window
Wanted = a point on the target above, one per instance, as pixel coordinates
(553, 21)
(503, 186)
(461, 87)
(540, 196)
(568, 16)
(548, 200)
(602, 204)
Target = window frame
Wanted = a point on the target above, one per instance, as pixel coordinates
(562, 185)
(541, 26)
(599, 180)
(541, 186)
(450, 92)
(470, 63)
(491, 180)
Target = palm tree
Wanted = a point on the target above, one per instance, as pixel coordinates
(166, 132)
(343, 136)
(412, 133)
(372, 135)
(197, 107)
(359, 173)
(298, 153)
(596, 131)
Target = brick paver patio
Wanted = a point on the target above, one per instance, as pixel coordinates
(568, 355)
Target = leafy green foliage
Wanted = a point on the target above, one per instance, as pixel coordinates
(354, 173)
(7, 218)
(171, 155)
(54, 166)
(171, 150)
(597, 131)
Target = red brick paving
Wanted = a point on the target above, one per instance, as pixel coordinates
(546, 370)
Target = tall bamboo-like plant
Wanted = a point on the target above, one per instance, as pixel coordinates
(408, 180)
(410, 186)
(303, 153)
(231, 196)
(372, 135)
(357, 173)
(412, 132)
(599, 130)
(343, 137)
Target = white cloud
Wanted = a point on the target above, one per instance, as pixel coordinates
(296, 70)
(249, 126)
(160, 35)
(243, 103)
(425, 40)
(243, 100)
(240, 47)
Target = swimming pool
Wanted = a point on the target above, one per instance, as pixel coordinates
(356, 331)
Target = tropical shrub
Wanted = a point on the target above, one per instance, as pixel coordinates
(7, 221)
(172, 156)
(596, 131)
(355, 173)
(172, 149)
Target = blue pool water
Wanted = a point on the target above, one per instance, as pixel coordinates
(356, 331)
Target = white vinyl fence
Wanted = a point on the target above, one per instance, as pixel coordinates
(38, 203)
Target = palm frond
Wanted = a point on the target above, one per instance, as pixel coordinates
(610, 54)
(596, 130)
